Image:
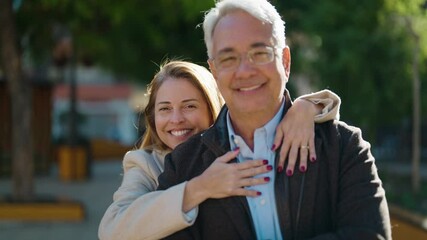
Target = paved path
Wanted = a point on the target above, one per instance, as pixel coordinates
(96, 194)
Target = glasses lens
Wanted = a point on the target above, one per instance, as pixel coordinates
(261, 55)
(231, 60)
(227, 60)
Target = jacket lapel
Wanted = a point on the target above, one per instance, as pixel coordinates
(293, 192)
(305, 185)
(233, 206)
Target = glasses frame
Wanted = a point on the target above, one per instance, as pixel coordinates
(249, 55)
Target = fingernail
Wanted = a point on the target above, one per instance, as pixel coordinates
(279, 169)
(265, 162)
(269, 167)
(313, 159)
(302, 168)
(273, 147)
(258, 193)
(289, 172)
(237, 149)
(267, 179)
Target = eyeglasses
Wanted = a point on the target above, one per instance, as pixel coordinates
(231, 60)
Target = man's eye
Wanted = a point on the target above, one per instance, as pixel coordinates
(227, 60)
(260, 55)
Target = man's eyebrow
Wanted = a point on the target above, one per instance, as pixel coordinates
(258, 44)
(254, 45)
(226, 50)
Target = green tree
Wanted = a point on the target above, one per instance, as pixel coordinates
(19, 91)
(128, 37)
(354, 48)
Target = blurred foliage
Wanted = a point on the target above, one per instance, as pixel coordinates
(362, 51)
(359, 49)
(399, 192)
(129, 37)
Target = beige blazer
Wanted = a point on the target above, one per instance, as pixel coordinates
(140, 212)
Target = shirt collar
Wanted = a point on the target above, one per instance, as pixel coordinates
(270, 127)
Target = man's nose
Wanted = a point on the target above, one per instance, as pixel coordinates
(245, 67)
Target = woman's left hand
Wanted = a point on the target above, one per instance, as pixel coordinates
(296, 134)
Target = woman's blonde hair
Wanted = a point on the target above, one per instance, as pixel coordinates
(198, 76)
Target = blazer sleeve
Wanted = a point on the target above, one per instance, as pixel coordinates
(330, 101)
(362, 210)
(140, 212)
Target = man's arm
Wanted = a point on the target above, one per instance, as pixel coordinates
(362, 211)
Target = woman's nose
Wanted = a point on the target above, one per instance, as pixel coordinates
(177, 117)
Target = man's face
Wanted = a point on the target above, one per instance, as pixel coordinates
(248, 88)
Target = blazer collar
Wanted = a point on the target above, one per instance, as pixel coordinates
(216, 139)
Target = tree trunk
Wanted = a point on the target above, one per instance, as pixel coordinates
(416, 108)
(20, 93)
(416, 128)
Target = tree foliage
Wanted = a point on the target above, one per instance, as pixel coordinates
(359, 49)
(129, 37)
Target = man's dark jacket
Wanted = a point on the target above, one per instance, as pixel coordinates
(339, 197)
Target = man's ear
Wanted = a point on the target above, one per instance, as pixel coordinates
(212, 68)
(286, 60)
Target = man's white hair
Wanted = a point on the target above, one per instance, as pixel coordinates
(260, 9)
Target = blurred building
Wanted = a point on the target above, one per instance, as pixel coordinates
(107, 111)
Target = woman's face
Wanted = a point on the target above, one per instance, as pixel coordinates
(180, 111)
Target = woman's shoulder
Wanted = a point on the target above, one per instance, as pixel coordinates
(145, 159)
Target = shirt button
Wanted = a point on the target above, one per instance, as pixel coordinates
(262, 201)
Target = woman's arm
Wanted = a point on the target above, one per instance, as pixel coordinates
(295, 133)
(140, 212)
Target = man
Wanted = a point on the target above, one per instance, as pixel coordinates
(338, 197)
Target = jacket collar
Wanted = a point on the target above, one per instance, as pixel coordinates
(216, 140)
(216, 137)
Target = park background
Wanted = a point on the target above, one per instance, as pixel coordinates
(83, 66)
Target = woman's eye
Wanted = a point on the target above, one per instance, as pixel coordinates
(162, 109)
(191, 106)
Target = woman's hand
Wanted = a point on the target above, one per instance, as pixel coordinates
(296, 134)
(223, 179)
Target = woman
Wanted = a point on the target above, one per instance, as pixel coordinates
(183, 101)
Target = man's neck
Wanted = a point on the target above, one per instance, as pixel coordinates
(245, 124)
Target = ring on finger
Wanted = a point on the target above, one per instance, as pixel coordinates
(305, 147)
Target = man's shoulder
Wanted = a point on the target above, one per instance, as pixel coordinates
(340, 127)
(190, 144)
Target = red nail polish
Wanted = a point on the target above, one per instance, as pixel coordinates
(258, 193)
(289, 172)
(279, 169)
(313, 159)
(273, 147)
(265, 162)
(267, 179)
(302, 169)
(269, 167)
